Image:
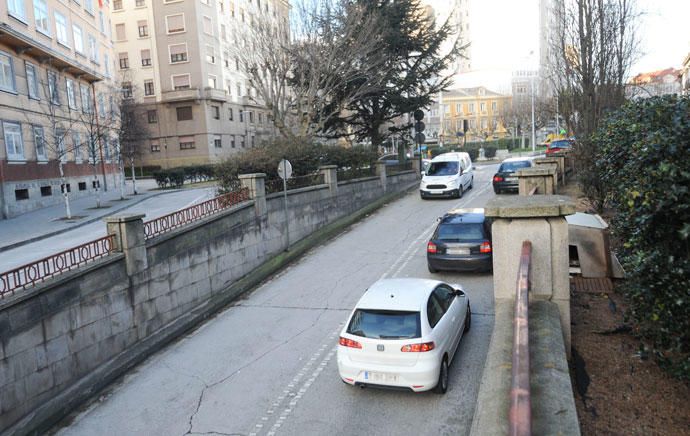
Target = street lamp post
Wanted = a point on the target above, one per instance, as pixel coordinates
(534, 138)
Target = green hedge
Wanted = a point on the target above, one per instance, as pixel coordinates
(145, 171)
(642, 166)
(176, 177)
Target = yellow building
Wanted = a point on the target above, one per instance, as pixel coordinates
(483, 109)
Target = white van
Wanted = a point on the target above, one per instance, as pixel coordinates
(448, 175)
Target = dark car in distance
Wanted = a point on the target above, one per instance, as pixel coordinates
(461, 242)
(505, 178)
(559, 145)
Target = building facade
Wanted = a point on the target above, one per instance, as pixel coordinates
(685, 76)
(175, 58)
(667, 81)
(56, 64)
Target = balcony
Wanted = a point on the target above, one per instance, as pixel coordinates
(180, 95)
(214, 94)
(24, 44)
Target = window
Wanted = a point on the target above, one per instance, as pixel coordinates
(106, 64)
(230, 114)
(242, 141)
(117, 5)
(88, 5)
(41, 16)
(389, 324)
(152, 116)
(178, 53)
(46, 191)
(140, 3)
(217, 142)
(223, 32)
(482, 107)
(187, 142)
(494, 107)
(155, 147)
(261, 118)
(484, 123)
(146, 58)
(458, 108)
(471, 108)
(120, 34)
(124, 60)
(212, 81)
(127, 90)
(239, 91)
(175, 23)
(85, 99)
(32, 81)
(82, 186)
(215, 111)
(251, 117)
(71, 94)
(184, 113)
(180, 81)
(16, 9)
(78, 39)
(21, 194)
(61, 29)
(53, 87)
(232, 141)
(13, 140)
(106, 150)
(101, 105)
(434, 310)
(143, 28)
(210, 54)
(241, 116)
(93, 49)
(101, 22)
(208, 25)
(76, 144)
(148, 87)
(39, 142)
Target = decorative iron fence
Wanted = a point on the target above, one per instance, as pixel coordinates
(276, 185)
(356, 173)
(36, 272)
(398, 168)
(193, 213)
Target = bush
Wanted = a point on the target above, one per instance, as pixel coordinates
(145, 171)
(305, 158)
(642, 160)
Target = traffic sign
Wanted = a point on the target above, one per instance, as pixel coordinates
(419, 126)
(419, 115)
(420, 138)
(285, 169)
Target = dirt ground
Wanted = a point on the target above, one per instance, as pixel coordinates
(618, 390)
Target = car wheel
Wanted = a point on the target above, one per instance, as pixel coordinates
(460, 192)
(432, 270)
(442, 385)
(496, 190)
(472, 183)
(468, 319)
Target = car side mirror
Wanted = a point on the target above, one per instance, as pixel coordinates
(439, 219)
(459, 292)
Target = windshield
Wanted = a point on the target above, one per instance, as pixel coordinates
(460, 232)
(442, 169)
(560, 144)
(425, 165)
(385, 324)
(511, 167)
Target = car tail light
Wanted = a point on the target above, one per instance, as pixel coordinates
(431, 248)
(345, 342)
(418, 348)
(485, 247)
(498, 179)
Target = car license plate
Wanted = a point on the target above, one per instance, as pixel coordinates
(380, 377)
(461, 251)
(511, 179)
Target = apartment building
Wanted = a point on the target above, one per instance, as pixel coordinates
(176, 58)
(56, 61)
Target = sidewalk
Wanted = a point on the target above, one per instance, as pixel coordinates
(49, 221)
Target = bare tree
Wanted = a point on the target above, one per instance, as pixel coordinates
(299, 74)
(131, 130)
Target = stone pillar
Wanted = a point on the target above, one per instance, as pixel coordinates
(330, 177)
(257, 190)
(541, 220)
(554, 159)
(416, 167)
(381, 172)
(549, 163)
(541, 177)
(129, 239)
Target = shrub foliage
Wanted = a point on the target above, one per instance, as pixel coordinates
(643, 160)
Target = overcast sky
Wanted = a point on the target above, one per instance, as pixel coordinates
(504, 32)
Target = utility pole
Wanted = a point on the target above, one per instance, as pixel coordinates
(534, 136)
(558, 126)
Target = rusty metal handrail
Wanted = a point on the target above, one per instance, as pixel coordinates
(520, 400)
(40, 270)
(193, 213)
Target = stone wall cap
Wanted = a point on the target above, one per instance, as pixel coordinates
(545, 160)
(252, 176)
(541, 170)
(124, 218)
(529, 206)
(328, 167)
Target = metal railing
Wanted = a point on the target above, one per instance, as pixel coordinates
(276, 185)
(193, 213)
(520, 415)
(355, 173)
(38, 271)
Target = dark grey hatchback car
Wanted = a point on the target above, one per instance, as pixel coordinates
(461, 242)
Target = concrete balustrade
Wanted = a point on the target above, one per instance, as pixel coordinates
(255, 183)
(330, 177)
(542, 177)
(557, 160)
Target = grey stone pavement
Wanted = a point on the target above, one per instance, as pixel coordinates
(49, 221)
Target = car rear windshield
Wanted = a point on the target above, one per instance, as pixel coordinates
(560, 144)
(511, 167)
(442, 169)
(460, 232)
(385, 324)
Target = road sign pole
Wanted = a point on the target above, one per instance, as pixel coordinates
(287, 222)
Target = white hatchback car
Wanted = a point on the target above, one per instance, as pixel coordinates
(403, 333)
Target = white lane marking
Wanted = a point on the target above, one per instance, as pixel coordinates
(193, 202)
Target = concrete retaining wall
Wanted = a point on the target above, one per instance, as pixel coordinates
(64, 340)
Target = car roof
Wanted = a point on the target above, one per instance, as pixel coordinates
(446, 157)
(518, 159)
(404, 294)
(464, 216)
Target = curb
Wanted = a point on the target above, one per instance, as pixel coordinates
(81, 224)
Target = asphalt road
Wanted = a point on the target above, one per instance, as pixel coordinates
(267, 364)
(153, 208)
